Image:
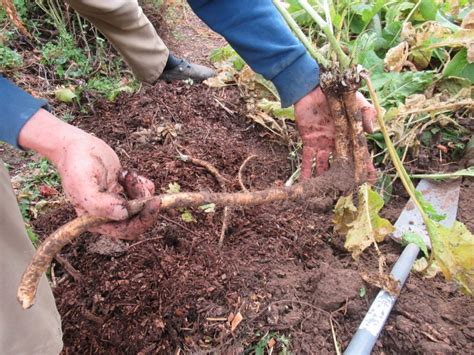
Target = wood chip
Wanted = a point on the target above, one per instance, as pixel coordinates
(236, 321)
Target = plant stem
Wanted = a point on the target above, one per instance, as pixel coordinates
(343, 58)
(299, 33)
(444, 176)
(404, 177)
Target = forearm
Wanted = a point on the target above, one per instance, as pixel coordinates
(256, 30)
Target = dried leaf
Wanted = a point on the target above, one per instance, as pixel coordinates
(468, 21)
(461, 38)
(453, 250)
(271, 343)
(268, 122)
(421, 265)
(367, 227)
(224, 78)
(408, 33)
(383, 281)
(396, 57)
(236, 321)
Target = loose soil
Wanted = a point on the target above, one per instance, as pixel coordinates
(281, 265)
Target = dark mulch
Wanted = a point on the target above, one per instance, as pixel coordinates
(281, 265)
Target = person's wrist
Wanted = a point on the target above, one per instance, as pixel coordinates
(49, 136)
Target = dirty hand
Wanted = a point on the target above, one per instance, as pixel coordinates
(91, 175)
(316, 127)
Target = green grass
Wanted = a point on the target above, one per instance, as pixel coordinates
(9, 59)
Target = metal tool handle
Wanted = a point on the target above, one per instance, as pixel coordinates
(370, 328)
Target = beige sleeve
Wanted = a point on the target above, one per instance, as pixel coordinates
(125, 25)
(36, 330)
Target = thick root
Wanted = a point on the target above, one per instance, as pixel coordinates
(355, 115)
(335, 182)
(341, 90)
(46, 252)
(330, 86)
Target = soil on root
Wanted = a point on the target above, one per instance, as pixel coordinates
(281, 266)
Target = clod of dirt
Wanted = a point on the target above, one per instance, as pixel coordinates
(108, 247)
(336, 286)
(429, 347)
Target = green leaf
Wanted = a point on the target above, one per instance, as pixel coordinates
(428, 9)
(428, 208)
(187, 216)
(364, 51)
(367, 226)
(173, 188)
(453, 250)
(65, 95)
(396, 11)
(415, 238)
(391, 33)
(459, 66)
(393, 88)
(453, 85)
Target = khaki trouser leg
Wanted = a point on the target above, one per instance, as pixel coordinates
(38, 329)
(130, 32)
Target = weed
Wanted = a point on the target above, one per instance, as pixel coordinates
(68, 60)
(30, 199)
(110, 87)
(9, 59)
(272, 342)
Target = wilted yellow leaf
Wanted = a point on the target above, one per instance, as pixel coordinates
(453, 250)
(274, 108)
(367, 226)
(344, 214)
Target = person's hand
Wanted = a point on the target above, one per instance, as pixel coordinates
(91, 174)
(316, 128)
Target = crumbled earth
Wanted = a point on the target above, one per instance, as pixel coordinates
(281, 265)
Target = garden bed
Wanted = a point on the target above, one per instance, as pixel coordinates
(281, 266)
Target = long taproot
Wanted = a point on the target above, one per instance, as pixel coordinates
(339, 179)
